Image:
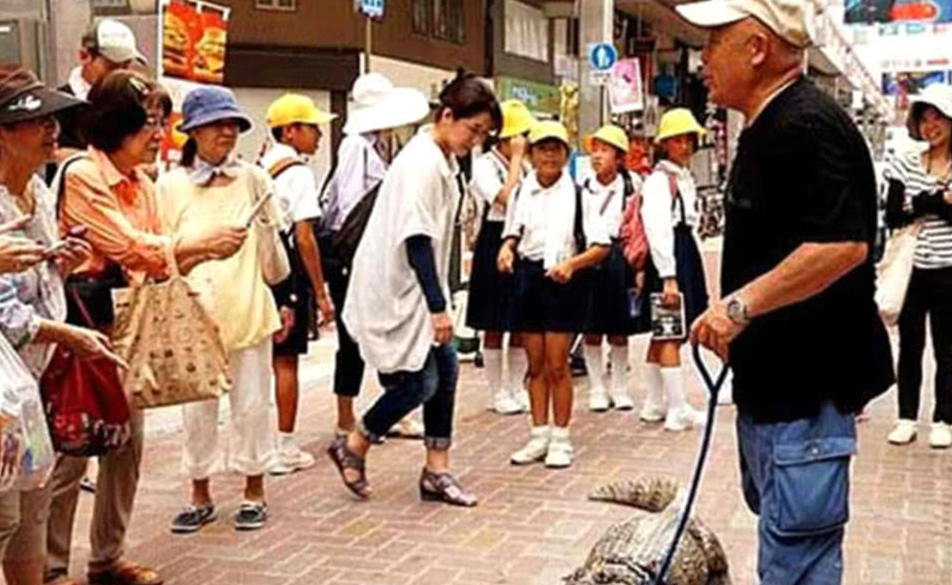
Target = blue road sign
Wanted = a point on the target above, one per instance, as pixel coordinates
(603, 56)
(372, 8)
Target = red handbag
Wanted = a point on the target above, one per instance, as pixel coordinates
(86, 405)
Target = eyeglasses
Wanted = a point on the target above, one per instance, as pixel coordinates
(155, 123)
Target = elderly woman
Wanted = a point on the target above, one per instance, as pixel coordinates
(105, 190)
(33, 260)
(213, 188)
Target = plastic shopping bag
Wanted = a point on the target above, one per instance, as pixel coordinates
(26, 452)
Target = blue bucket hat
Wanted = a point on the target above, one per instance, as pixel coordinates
(204, 105)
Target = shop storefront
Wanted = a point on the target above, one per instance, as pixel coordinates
(541, 98)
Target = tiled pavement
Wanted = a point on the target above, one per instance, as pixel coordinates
(533, 526)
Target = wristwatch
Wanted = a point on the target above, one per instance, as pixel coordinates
(737, 311)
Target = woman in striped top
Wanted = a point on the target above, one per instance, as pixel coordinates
(919, 189)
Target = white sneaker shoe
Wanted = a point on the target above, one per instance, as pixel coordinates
(535, 450)
(684, 418)
(652, 411)
(560, 453)
(407, 428)
(903, 433)
(505, 403)
(598, 399)
(941, 436)
(622, 400)
(522, 398)
(290, 460)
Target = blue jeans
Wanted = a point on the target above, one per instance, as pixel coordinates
(795, 477)
(434, 387)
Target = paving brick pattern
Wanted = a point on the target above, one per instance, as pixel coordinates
(533, 526)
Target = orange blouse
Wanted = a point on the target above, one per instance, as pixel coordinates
(120, 215)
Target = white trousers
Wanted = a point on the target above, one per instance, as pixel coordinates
(251, 448)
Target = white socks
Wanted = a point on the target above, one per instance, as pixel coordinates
(674, 384)
(654, 384)
(492, 362)
(518, 364)
(619, 357)
(593, 363)
(285, 441)
(560, 433)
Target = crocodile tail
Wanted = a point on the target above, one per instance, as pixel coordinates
(647, 493)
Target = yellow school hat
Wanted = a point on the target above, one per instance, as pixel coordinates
(677, 122)
(516, 119)
(609, 134)
(549, 129)
(293, 108)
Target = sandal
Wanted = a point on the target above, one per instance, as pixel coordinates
(443, 487)
(346, 459)
(125, 574)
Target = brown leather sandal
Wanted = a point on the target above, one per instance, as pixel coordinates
(443, 487)
(346, 459)
(125, 573)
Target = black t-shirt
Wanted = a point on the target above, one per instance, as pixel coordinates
(803, 174)
(69, 119)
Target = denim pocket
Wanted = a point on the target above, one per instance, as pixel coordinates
(811, 485)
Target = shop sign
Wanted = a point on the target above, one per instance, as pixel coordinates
(893, 11)
(625, 91)
(539, 97)
(194, 39)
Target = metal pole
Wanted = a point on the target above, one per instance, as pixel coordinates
(369, 37)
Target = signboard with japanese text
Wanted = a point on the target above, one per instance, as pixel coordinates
(538, 97)
(194, 40)
(898, 11)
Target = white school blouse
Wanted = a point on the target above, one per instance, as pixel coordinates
(608, 200)
(386, 310)
(543, 220)
(489, 176)
(660, 213)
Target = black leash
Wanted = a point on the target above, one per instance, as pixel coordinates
(714, 388)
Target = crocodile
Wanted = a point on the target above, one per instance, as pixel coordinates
(631, 552)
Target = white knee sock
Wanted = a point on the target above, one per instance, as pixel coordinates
(619, 355)
(674, 384)
(654, 384)
(593, 363)
(518, 364)
(492, 361)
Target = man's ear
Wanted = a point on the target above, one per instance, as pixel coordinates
(759, 47)
(85, 56)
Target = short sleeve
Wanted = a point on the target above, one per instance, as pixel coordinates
(418, 199)
(301, 197)
(486, 183)
(895, 169)
(515, 216)
(596, 231)
(826, 191)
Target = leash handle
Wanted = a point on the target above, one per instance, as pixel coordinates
(714, 388)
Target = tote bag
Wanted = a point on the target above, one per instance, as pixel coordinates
(171, 343)
(894, 271)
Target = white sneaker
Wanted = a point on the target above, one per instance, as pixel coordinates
(622, 400)
(504, 403)
(684, 418)
(903, 433)
(535, 449)
(522, 398)
(560, 453)
(652, 412)
(290, 460)
(598, 399)
(941, 436)
(407, 428)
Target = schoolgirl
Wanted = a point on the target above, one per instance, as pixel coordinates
(552, 234)
(669, 212)
(496, 176)
(608, 190)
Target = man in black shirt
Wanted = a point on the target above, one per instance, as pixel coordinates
(799, 325)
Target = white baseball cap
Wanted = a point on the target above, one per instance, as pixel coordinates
(113, 40)
(787, 18)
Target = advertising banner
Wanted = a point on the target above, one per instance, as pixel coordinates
(194, 38)
(898, 11)
(625, 90)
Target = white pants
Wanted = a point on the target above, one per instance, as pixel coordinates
(251, 448)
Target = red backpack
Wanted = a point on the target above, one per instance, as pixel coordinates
(633, 237)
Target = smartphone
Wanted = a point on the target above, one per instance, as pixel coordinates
(256, 210)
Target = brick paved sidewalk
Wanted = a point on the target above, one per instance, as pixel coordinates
(533, 526)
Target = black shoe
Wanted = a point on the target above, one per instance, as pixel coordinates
(192, 518)
(251, 516)
(577, 365)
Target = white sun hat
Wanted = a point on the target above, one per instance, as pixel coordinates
(787, 18)
(937, 95)
(378, 105)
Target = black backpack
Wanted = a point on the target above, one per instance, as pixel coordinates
(344, 241)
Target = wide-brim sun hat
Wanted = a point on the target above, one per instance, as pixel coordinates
(23, 96)
(787, 18)
(378, 105)
(516, 119)
(207, 104)
(294, 108)
(609, 134)
(677, 122)
(937, 95)
(549, 130)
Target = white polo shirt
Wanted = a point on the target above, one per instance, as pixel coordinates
(543, 218)
(295, 189)
(386, 310)
(660, 213)
(609, 200)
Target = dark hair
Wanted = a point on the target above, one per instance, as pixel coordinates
(915, 116)
(467, 96)
(189, 150)
(277, 133)
(568, 151)
(118, 108)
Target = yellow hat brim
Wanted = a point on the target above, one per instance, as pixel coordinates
(699, 131)
(590, 143)
(318, 118)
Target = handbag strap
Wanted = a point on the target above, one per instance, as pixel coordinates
(83, 311)
(174, 270)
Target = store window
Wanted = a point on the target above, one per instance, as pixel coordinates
(421, 16)
(282, 5)
(448, 21)
(110, 7)
(527, 31)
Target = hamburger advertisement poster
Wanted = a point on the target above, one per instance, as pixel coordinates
(194, 35)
